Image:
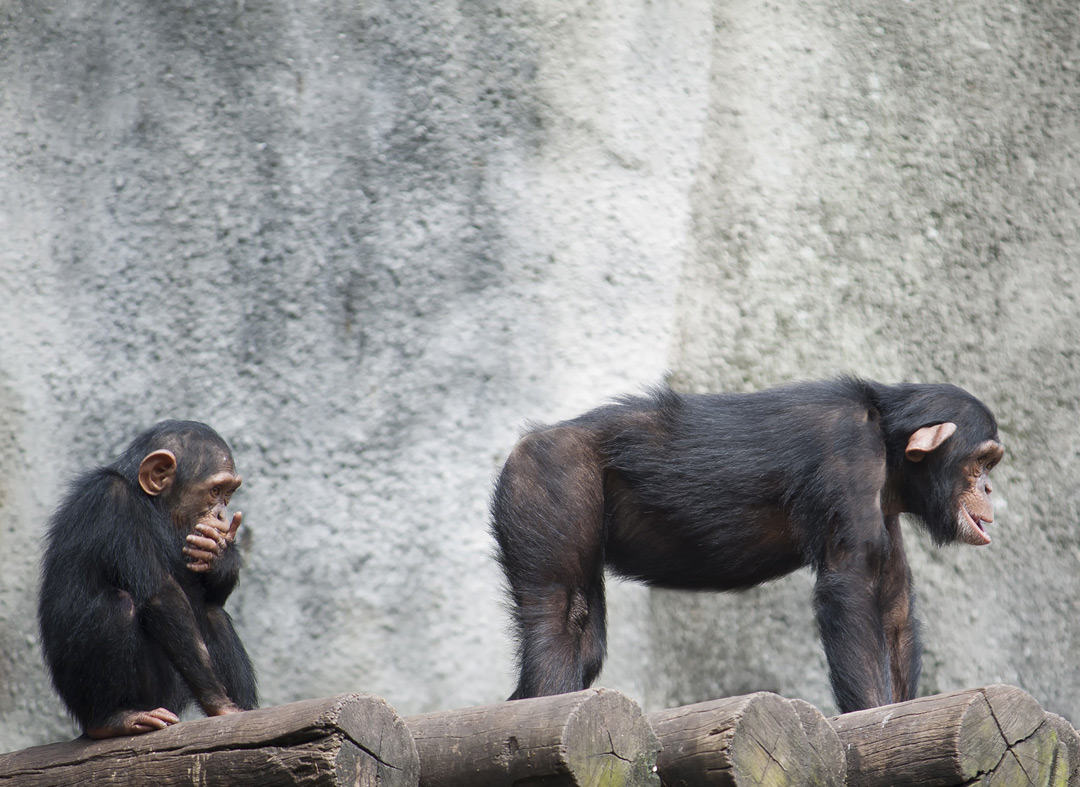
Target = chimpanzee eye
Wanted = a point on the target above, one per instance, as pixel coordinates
(216, 491)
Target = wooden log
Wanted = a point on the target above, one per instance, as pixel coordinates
(997, 735)
(592, 737)
(347, 740)
(828, 766)
(1067, 765)
(756, 739)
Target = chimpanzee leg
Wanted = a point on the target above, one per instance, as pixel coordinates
(114, 679)
(97, 675)
(549, 522)
(562, 640)
(169, 620)
(231, 662)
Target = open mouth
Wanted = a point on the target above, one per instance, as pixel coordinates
(973, 530)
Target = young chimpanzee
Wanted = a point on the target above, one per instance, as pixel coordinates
(725, 491)
(138, 563)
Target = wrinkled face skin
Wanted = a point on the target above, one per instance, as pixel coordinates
(204, 501)
(976, 506)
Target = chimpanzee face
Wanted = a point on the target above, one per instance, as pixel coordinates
(205, 500)
(976, 508)
(202, 499)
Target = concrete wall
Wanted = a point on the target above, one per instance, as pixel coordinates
(367, 241)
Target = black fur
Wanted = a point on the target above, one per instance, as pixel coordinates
(723, 492)
(121, 617)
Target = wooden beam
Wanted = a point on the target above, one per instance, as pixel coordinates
(997, 735)
(592, 737)
(351, 740)
(756, 739)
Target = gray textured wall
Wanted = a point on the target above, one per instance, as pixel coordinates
(367, 241)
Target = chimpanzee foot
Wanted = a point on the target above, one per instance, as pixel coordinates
(133, 722)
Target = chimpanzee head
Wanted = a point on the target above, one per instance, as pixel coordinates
(948, 443)
(187, 467)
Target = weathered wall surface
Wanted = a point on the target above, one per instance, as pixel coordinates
(895, 192)
(366, 241)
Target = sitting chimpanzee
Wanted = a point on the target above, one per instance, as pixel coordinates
(725, 491)
(138, 563)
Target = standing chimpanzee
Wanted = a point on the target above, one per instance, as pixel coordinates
(137, 567)
(726, 491)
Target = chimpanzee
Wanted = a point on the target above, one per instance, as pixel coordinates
(726, 491)
(138, 563)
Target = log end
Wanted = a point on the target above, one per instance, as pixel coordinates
(828, 766)
(1067, 766)
(1006, 739)
(377, 747)
(610, 742)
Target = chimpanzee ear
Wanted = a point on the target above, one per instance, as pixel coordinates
(927, 439)
(157, 472)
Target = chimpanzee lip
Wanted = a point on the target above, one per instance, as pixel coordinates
(976, 525)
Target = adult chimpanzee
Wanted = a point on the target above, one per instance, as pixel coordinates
(137, 566)
(725, 491)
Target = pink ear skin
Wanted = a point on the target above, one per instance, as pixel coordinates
(157, 472)
(929, 438)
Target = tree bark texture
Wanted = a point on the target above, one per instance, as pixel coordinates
(356, 740)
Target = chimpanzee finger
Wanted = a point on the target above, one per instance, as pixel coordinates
(200, 554)
(209, 544)
(209, 531)
(236, 519)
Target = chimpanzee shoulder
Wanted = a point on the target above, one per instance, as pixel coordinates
(100, 525)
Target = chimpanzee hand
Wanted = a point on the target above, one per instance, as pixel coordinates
(208, 543)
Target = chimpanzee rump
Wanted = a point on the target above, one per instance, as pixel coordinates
(137, 567)
(726, 491)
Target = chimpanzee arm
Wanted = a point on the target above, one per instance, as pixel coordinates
(847, 601)
(222, 577)
(901, 626)
(170, 620)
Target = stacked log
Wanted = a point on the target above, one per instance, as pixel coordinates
(758, 739)
(589, 738)
(997, 735)
(354, 740)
